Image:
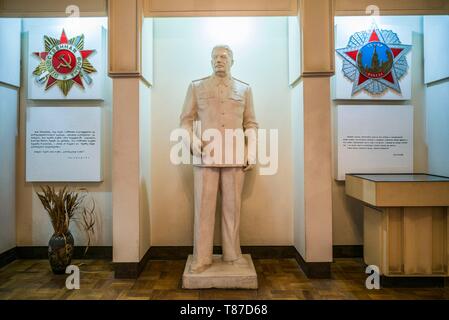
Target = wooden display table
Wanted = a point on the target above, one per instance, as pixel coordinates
(405, 222)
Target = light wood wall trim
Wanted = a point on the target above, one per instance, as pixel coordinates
(439, 243)
(51, 8)
(317, 37)
(407, 242)
(125, 37)
(184, 8)
(313, 74)
(395, 243)
(361, 189)
(388, 7)
(412, 194)
(398, 194)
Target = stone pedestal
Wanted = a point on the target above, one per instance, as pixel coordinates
(222, 275)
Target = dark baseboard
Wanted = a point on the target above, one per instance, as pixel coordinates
(131, 270)
(314, 270)
(256, 252)
(33, 252)
(41, 252)
(173, 253)
(7, 257)
(270, 252)
(348, 251)
(412, 282)
(94, 253)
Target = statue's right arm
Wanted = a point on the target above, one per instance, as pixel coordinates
(188, 116)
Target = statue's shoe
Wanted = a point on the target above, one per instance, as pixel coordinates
(240, 262)
(198, 267)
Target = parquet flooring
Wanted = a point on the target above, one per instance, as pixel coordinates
(278, 279)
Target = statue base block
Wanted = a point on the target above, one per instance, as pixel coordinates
(221, 275)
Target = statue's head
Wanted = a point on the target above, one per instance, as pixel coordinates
(222, 60)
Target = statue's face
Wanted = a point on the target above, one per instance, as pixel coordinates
(221, 62)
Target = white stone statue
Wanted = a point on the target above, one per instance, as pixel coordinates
(216, 107)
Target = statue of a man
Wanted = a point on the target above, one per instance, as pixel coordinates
(224, 104)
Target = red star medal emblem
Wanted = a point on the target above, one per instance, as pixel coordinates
(64, 62)
(375, 61)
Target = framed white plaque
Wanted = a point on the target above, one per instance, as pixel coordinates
(63, 144)
(374, 139)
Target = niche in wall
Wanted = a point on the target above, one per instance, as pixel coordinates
(182, 53)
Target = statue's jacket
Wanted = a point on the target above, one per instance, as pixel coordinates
(219, 103)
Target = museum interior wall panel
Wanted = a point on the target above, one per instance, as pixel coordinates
(145, 168)
(145, 137)
(297, 115)
(33, 225)
(267, 209)
(10, 30)
(297, 132)
(8, 140)
(347, 212)
(147, 49)
(436, 46)
(437, 92)
(294, 50)
(437, 114)
(9, 81)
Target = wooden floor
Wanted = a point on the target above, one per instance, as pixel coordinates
(278, 279)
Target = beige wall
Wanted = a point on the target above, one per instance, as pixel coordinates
(347, 212)
(126, 170)
(33, 224)
(317, 169)
(181, 54)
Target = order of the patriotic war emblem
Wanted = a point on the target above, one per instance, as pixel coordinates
(64, 63)
(375, 61)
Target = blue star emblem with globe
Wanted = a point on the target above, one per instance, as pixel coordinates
(375, 61)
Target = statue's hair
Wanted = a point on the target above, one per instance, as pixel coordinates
(226, 47)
